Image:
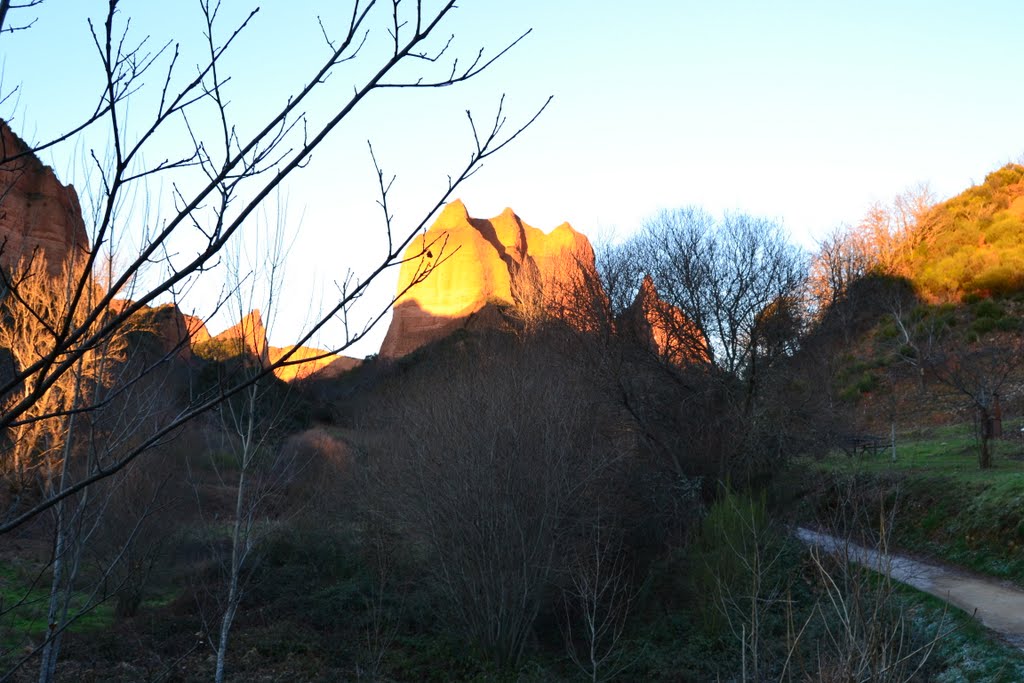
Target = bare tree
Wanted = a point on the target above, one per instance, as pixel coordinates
(232, 175)
(57, 441)
(730, 286)
(743, 560)
(6, 6)
(249, 428)
(597, 599)
(974, 370)
(491, 481)
(382, 627)
(841, 259)
(977, 373)
(882, 243)
(215, 188)
(722, 276)
(866, 632)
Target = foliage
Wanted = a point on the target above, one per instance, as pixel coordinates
(742, 570)
(220, 350)
(976, 246)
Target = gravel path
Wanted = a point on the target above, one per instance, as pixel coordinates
(997, 604)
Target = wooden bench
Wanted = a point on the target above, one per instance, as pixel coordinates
(854, 444)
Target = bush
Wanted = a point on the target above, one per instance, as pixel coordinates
(742, 575)
(987, 308)
(1008, 324)
(983, 325)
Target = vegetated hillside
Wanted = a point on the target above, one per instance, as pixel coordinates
(975, 241)
(927, 310)
(915, 365)
(928, 349)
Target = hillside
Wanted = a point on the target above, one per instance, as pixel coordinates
(973, 243)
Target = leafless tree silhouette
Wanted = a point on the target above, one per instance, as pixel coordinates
(216, 186)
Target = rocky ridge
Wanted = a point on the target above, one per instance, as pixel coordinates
(463, 268)
(474, 264)
(41, 218)
(38, 215)
(249, 337)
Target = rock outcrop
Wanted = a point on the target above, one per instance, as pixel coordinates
(474, 264)
(662, 327)
(248, 337)
(308, 362)
(176, 332)
(39, 217)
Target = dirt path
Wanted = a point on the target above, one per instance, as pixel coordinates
(998, 605)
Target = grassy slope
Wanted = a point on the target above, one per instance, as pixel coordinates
(946, 507)
(975, 244)
(24, 596)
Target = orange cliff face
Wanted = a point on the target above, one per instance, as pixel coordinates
(663, 327)
(249, 336)
(308, 362)
(38, 215)
(462, 264)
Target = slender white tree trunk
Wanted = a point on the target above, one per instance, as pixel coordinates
(54, 614)
(51, 648)
(240, 535)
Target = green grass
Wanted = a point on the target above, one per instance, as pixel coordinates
(947, 508)
(966, 650)
(23, 607)
(949, 451)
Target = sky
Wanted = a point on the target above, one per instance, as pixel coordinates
(806, 112)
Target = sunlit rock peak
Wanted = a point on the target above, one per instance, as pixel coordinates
(307, 362)
(249, 335)
(663, 327)
(474, 262)
(39, 216)
(177, 332)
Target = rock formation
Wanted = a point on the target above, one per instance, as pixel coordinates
(196, 328)
(662, 327)
(38, 215)
(175, 331)
(307, 362)
(248, 337)
(473, 264)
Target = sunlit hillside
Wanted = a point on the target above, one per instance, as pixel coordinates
(975, 241)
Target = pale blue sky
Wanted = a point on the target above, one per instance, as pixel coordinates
(805, 111)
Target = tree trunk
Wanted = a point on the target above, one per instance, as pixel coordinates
(48, 660)
(56, 612)
(240, 533)
(233, 580)
(985, 429)
(892, 439)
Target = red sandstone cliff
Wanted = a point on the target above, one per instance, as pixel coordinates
(38, 215)
(308, 362)
(476, 263)
(663, 327)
